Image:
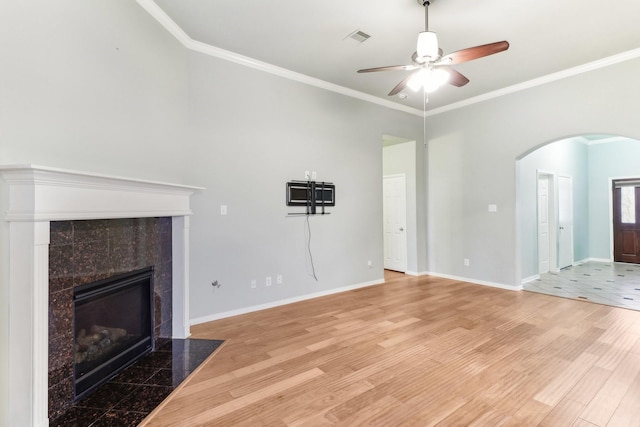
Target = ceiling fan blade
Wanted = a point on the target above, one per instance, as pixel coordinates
(472, 53)
(456, 78)
(389, 68)
(400, 86)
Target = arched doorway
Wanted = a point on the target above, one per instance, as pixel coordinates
(578, 171)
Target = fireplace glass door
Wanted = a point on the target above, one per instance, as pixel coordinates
(113, 322)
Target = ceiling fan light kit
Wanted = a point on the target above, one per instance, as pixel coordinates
(431, 66)
(428, 79)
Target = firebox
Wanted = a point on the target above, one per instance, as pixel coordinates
(113, 326)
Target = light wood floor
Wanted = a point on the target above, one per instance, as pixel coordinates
(418, 351)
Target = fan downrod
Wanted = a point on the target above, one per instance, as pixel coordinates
(426, 4)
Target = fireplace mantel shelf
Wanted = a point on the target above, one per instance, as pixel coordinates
(38, 195)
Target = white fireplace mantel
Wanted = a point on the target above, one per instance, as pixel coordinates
(39, 195)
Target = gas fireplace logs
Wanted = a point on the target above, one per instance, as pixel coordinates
(98, 342)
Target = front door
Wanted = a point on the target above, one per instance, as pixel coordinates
(626, 221)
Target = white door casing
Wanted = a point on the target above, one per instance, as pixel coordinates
(565, 221)
(547, 221)
(544, 240)
(394, 220)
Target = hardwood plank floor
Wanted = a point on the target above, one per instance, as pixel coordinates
(417, 352)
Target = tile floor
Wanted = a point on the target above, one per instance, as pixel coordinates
(609, 283)
(130, 396)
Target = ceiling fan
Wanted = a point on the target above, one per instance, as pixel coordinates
(432, 67)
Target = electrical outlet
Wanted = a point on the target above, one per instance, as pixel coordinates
(223, 209)
(466, 262)
(279, 279)
(314, 175)
(369, 264)
(268, 281)
(253, 284)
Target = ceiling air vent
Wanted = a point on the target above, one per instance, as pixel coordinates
(358, 36)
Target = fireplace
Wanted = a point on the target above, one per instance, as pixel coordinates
(93, 256)
(35, 199)
(113, 327)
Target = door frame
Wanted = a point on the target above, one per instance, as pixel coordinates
(409, 164)
(612, 256)
(554, 198)
(406, 240)
(571, 217)
(553, 218)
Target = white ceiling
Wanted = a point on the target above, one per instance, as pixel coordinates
(310, 37)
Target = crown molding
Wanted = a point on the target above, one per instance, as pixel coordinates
(549, 78)
(159, 15)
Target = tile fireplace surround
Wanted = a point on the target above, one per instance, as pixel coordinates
(36, 197)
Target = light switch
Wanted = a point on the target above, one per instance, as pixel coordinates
(223, 209)
(493, 208)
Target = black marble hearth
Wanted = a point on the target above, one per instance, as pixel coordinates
(130, 396)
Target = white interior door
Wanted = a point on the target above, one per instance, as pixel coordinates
(544, 241)
(395, 219)
(565, 221)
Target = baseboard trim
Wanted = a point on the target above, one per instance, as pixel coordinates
(597, 260)
(530, 279)
(278, 303)
(416, 273)
(477, 282)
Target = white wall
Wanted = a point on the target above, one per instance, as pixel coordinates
(401, 159)
(472, 155)
(97, 86)
(245, 151)
(4, 308)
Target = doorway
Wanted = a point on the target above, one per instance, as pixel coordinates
(394, 203)
(555, 221)
(399, 158)
(626, 220)
(592, 162)
(546, 223)
(565, 221)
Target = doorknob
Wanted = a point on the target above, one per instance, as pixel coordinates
(401, 229)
